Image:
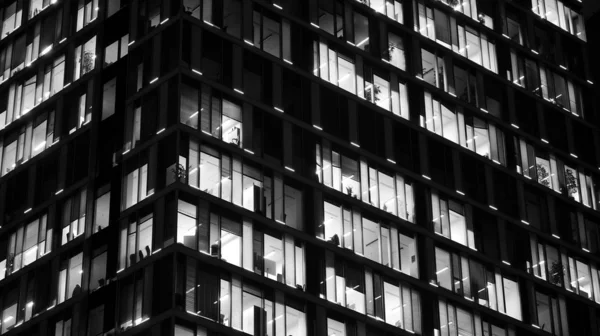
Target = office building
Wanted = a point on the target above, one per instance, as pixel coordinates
(298, 168)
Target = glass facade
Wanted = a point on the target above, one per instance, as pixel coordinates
(298, 168)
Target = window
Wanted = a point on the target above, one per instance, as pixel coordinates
(36, 6)
(271, 35)
(539, 166)
(549, 314)
(23, 97)
(11, 18)
(113, 6)
(73, 218)
(135, 242)
(401, 306)
(553, 87)
(216, 115)
(513, 29)
(348, 229)
(580, 278)
(378, 87)
(186, 224)
(477, 283)
(239, 245)
(362, 291)
(361, 31)
(108, 98)
(63, 327)
(390, 8)
(390, 193)
(87, 11)
(395, 53)
(560, 15)
(464, 40)
(449, 220)
(96, 321)
(85, 58)
(335, 68)
(220, 176)
(29, 243)
(470, 132)
(335, 327)
(98, 271)
(135, 299)
(344, 285)
(546, 262)
(69, 278)
(114, 51)
(234, 303)
(135, 187)
(455, 320)
(27, 142)
(200, 331)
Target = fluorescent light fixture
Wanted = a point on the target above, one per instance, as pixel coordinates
(130, 43)
(162, 130)
(127, 151)
(279, 221)
(544, 140)
(278, 109)
(315, 25)
(563, 67)
(320, 129)
(287, 61)
(165, 20)
(433, 284)
(154, 80)
(524, 222)
(555, 236)
(290, 169)
(419, 77)
(30, 304)
(208, 23)
(508, 37)
(586, 250)
(460, 192)
(249, 151)
(194, 115)
(496, 161)
(58, 192)
(277, 6)
(427, 177)
(66, 85)
(483, 110)
(207, 133)
(248, 42)
(45, 51)
(493, 207)
(535, 52)
(198, 72)
(8, 319)
(354, 144)
(535, 326)
(442, 270)
(351, 43)
(589, 81)
(506, 262)
(392, 161)
(385, 60)
(63, 40)
(452, 94)
(26, 211)
(573, 155)
(515, 126)
(238, 91)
